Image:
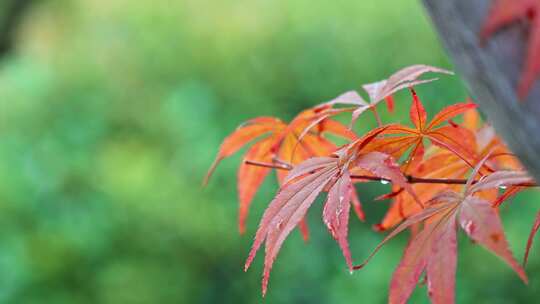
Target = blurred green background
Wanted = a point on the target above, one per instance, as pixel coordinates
(111, 112)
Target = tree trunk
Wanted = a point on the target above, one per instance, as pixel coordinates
(491, 72)
(13, 10)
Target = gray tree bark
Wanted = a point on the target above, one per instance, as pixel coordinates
(491, 73)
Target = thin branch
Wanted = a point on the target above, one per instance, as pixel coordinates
(410, 178)
(281, 162)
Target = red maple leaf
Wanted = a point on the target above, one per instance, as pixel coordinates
(304, 184)
(505, 12)
(384, 89)
(433, 250)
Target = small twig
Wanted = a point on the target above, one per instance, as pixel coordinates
(410, 179)
(283, 163)
(268, 165)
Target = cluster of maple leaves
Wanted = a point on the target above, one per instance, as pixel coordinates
(444, 176)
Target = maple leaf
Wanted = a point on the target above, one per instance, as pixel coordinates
(404, 78)
(433, 250)
(384, 89)
(278, 143)
(505, 12)
(445, 164)
(453, 138)
(304, 184)
(244, 134)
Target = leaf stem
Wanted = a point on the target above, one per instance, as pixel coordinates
(377, 116)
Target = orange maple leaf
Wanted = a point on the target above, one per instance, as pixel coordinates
(278, 143)
(445, 164)
(453, 138)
